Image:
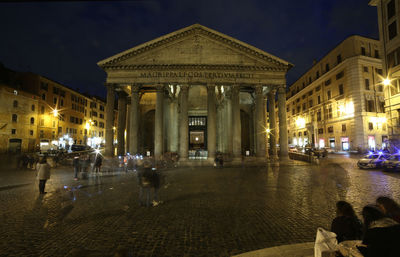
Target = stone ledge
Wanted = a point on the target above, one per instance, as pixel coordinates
(292, 250)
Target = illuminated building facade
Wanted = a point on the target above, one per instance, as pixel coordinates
(195, 92)
(47, 113)
(389, 29)
(338, 103)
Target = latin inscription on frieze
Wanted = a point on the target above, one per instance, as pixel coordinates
(196, 74)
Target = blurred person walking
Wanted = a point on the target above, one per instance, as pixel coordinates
(43, 174)
(76, 165)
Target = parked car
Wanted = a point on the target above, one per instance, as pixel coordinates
(392, 163)
(293, 149)
(372, 160)
(76, 148)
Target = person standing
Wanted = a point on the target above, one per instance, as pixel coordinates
(144, 181)
(43, 174)
(155, 181)
(97, 163)
(76, 167)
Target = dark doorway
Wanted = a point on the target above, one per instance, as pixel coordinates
(15, 145)
(246, 133)
(148, 131)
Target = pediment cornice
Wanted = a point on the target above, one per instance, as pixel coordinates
(194, 67)
(190, 31)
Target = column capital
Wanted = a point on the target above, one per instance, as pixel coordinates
(135, 88)
(160, 87)
(258, 89)
(281, 89)
(272, 92)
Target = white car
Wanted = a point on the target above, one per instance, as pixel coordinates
(372, 160)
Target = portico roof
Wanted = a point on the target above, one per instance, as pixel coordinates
(195, 46)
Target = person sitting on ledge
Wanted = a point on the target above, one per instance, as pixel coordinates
(346, 225)
(389, 207)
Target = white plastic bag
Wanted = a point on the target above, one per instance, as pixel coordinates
(325, 241)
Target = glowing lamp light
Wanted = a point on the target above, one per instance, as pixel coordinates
(386, 82)
(197, 139)
(97, 151)
(55, 112)
(268, 130)
(380, 152)
(300, 122)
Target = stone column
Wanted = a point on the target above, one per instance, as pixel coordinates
(121, 123)
(236, 125)
(184, 124)
(272, 123)
(283, 134)
(260, 121)
(134, 120)
(109, 144)
(158, 130)
(211, 122)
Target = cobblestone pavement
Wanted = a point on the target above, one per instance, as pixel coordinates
(206, 211)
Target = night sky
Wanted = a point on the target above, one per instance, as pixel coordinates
(64, 40)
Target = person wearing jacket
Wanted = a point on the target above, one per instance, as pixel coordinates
(43, 174)
(389, 207)
(346, 225)
(381, 234)
(144, 177)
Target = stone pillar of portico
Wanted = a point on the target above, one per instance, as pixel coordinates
(272, 123)
(109, 144)
(121, 123)
(159, 126)
(183, 124)
(211, 122)
(260, 122)
(283, 134)
(236, 125)
(134, 120)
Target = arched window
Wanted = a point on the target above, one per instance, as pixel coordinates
(14, 118)
(15, 104)
(32, 120)
(33, 107)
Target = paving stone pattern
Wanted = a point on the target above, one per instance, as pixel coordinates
(206, 211)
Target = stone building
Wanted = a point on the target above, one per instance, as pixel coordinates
(389, 27)
(18, 120)
(47, 112)
(339, 103)
(195, 92)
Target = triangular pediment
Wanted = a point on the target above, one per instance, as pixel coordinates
(195, 45)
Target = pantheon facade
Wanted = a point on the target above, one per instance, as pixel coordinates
(196, 92)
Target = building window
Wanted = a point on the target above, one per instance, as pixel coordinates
(42, 122)
(44, 86)
(370, 106)
(317, 88)
(391, 9)
(379, 71)
(362, 50)
(339, 58)
(327, 67)
(41, 135)
(392, 30)
(55, 100)
(42, 109)
(15, 103)
(330, 112)
(13, 131)
(31, 132)
(33, 107)
(32, 120)
(310, 103)
(319, 99)
(317, 75)
(366, 84)
(365, 69)
(304, 107)
(14, 118)
(330, 129)
(341, 90)
(376, 54)
(370, 125)
(328, 82)
(319, 116)
(340, 75)
(43, 96)
(320, 131)
(380, 88)
(329, 94)
(62, 102)
(343, 127)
